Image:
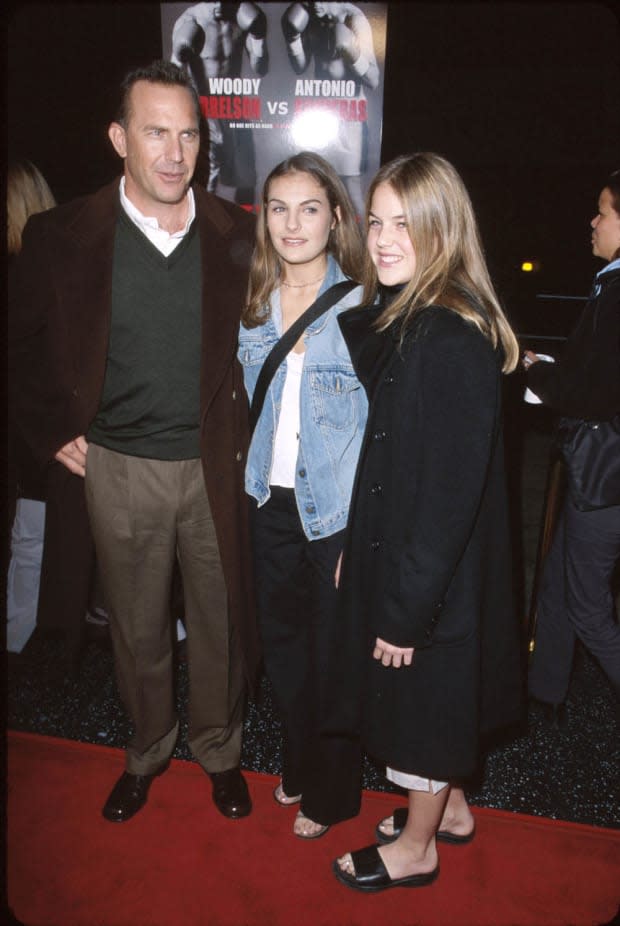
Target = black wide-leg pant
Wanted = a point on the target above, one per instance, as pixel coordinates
(575, 601)
(297, 607)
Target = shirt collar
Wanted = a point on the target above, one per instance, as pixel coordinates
(612, 265)
(145, 222)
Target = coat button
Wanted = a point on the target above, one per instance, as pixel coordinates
(374, 545)
(234, 394)
(239, 456)
(376, 489)
(389, 379)
(310, 509)
(302, 473)
(75, 392)
(379, 435)
(428, 634)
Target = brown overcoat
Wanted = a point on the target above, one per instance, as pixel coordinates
(58, 343)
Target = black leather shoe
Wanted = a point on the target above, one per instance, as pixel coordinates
(230, 793)
(128, 796)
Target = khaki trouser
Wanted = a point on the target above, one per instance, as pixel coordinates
(143, 514)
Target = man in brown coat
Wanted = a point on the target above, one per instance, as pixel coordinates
(123, 349)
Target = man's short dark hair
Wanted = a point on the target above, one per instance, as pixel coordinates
(158, 72)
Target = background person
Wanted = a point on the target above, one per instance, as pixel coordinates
(575, 600)
(300, 470)
(429, 650)
(51, 580)
(123, 341)
(27, 193)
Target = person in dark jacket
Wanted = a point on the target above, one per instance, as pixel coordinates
(429, 653)
(575, 599)
(123, 358)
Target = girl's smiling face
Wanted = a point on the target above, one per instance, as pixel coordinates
(389, 245)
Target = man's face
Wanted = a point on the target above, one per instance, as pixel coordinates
(159, 146)
(323, 10)
(222, 12)
(605, 227)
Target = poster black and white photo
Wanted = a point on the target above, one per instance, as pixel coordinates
(278, 78)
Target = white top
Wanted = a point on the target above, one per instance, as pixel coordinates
(285, 445)
(149, 226)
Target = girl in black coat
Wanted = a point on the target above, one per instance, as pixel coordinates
(429, 637)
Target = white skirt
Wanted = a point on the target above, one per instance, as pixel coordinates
(414, 782)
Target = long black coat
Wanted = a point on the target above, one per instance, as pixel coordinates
(427, 561)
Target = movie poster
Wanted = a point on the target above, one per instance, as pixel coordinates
(278, 78)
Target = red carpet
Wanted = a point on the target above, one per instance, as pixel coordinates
(179, 863)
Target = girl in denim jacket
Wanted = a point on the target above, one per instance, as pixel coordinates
(300, 470)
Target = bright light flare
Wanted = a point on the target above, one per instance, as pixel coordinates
(314, 130)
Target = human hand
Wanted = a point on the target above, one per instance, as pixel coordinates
(337, 572)
(73, 455)
(528, 358)
(391, 655)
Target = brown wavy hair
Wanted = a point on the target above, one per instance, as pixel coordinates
(344, 243)
(450, 267)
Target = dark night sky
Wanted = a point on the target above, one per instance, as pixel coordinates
(522, 97)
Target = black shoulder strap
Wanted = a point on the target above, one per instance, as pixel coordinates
(290, 337)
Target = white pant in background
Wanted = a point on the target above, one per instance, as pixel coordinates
(24, 573)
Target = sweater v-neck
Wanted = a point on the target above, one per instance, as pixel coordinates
(151, 251)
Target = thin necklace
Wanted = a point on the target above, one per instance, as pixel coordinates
(300, 285)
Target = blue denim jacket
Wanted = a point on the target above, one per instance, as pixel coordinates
(333, 411)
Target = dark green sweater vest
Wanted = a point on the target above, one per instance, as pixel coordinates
(150, 405)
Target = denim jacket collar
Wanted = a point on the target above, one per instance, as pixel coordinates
(332, 276)
(333, 409)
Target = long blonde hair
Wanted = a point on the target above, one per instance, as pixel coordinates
(345, 242)
(450, 267)
(27, 193)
